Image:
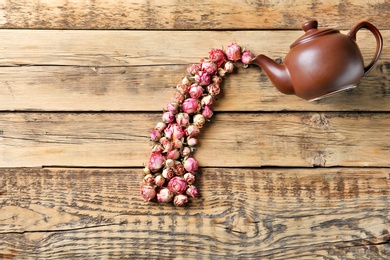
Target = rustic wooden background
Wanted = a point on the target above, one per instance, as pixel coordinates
(82, 83)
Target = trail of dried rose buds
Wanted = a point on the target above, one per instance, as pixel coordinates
(171, 171)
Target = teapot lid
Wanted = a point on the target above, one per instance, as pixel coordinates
(312, 32)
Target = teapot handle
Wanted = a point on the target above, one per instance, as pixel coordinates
(378, 37)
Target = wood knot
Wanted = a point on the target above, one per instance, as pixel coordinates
(319, 121)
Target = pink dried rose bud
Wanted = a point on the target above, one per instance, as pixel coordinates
(218, 56)
(190, 105)
(149, 180)
(207, 100)
(199, 120)
(173, 154)
(147, 192)
(216, 79)
(202, 78)
(173, 107)
(177, 185)
(183, 88)
(191, 191)
(229, 67)
(167, 146)
(214, 89)
(189, 178)
(246, 57)
(193, 69)
(160, 180)
(183, 119)
(178, 97)
(196, 91)
(190, 164)
(186, 151)
(186, 81)
(160, 126)
(192, 141)
(174, 131)
(233, 52)
(156, 162)
(155, 135)
(192, 130)
(209, 66)
(168, 173)
(207, 112)
(164, 195)
(168, 117)
(180, 200)
(179, 168)
(157, 148)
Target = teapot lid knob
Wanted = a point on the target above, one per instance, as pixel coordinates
(312, 24)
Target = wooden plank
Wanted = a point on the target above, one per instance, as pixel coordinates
(134, 48)
(149, 88)
(336, 213)
(232, 139)
(137, 14)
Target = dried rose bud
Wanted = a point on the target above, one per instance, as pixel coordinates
(156, 161)
(180, 200)
(192, 141)
(193, 69)
(207, 100)
(218, 56)
(214, 89)
(168, 173)
(164, 195)
(174, 131)
(167, 146)
(157, 148)
(233, 52)
(207, 112)
(149, 180)
(190, 106)
(160, 126)
(169, 163)
(186, 81)
(202, 78)
(155, 135)
(173, 154)
(221, 72)
(179, 168)
(199, 120)
(146, 170)
(216, 79)
(191, 191)
(183, 88)
(164, 140)
(177, 143)
(159, 180)
(173, 107)
(190, 164)
(209, 66)
(189, 178)
(168, 117)
(177, 185)
(186, 151)
(178, 97)
(192, 130)
(229, 67)
(183, 119)
(147, 192)
(246, 57)
(196, 91)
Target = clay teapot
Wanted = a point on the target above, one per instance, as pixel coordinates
(320, 63)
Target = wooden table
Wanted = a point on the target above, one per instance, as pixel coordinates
(83, 83)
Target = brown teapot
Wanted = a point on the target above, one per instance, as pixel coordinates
(320, 63)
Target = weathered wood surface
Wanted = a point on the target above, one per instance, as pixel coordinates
(207, 15)
(87, 71)
(232, 139)
(242, 214)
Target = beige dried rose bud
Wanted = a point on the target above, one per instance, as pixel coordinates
(186, 81)
(189, 178)
(229, 67)
(169, 163)
(149, 180)
(159, 180)
(192, 141)
(146, 170)
(199, 120)
(180, 200)
(186, 151)
(164, 195)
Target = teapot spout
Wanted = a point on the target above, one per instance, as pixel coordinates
(277, 73)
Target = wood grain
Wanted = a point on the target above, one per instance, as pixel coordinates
(232, 139)
(149, 88)
(178, 15)
(243, 213)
